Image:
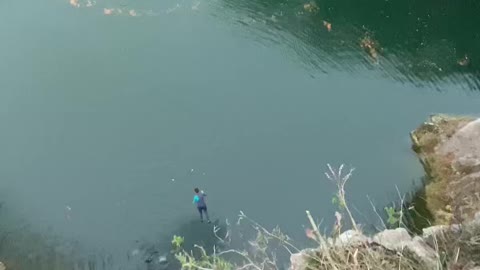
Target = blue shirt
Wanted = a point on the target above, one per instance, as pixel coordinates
(199, 199)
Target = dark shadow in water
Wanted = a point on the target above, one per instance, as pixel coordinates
(157, 254)
(420, 42)
(418, 216)
(21, 248)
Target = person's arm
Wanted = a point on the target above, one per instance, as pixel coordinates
(195, 199)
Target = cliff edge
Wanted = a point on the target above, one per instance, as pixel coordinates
(449, 149)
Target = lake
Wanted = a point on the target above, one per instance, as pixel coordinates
(111, 112)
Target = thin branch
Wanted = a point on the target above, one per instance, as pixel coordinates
(402, 201)
(245, 266)
(245, 256)
(268, 233)
(340, 182)
(375, 210)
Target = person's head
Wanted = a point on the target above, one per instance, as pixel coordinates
(196, 190)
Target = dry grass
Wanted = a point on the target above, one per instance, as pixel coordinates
(458, 249)
(365, 257)
(436, 191)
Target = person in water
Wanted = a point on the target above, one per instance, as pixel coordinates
(199, 201)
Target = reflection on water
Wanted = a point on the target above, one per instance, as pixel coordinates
(413, 42)
(121, 9)
(410, 41)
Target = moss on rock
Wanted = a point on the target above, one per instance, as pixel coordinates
(440, 144)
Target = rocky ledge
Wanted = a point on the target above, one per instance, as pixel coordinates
(449, 149)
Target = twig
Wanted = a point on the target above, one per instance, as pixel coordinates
(375, 210)
(323, 243)
(198, 267)
(340, 181)
(457, 254)
(223, 240)
(265, 231)
(402, 201)
(245, 256)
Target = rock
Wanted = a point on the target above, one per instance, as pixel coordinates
(439, 229)
(393, 239)
(350, 238)
(449, 150)
(433, 234)
(400, 240)
(2, 266)
(465, 140)
(476, 218)
(299, 261)
(468, 162)
(423, 251)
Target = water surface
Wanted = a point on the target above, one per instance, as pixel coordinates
(119, 117)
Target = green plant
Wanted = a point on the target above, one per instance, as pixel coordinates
(340, 180)
(393, 216)
(177, 242)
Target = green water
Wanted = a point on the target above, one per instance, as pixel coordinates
(248, 100)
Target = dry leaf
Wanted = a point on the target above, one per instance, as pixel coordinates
(327, 25)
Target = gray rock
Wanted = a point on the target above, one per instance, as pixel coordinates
(299, 261)
(400, 240)
(464, 144)
(423, 251)
(350, 237)
(393, 239)
(467, 162)
(2, 266)
(397, 240)
(437, 230)
(476, 218)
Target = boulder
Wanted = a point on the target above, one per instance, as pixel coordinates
(393, 239)
(350, 238)
(438, 230)
(423, 251)
(464, 142)
(400, 240)
(449, 149)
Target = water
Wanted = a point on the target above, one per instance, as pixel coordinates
(248, 100)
